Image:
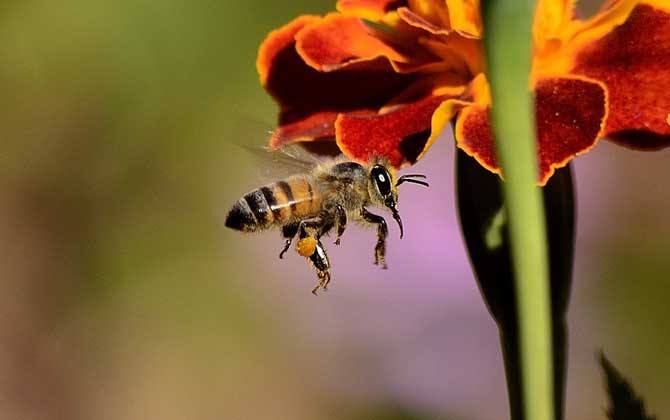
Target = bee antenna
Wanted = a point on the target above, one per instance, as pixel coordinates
(413, 176)
(405, 178)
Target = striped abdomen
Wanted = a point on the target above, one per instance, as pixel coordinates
(275, 204)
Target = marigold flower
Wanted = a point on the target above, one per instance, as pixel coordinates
(385, 77)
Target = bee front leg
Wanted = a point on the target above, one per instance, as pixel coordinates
(288, 232)
(382, 232)
(341, 217)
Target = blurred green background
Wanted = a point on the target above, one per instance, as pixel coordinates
(123, 297)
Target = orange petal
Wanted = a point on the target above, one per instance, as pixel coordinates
(461, 16)
(477, 92)
(433, 11)
(338, 40)
(465, 17)
(633, 61)
(418, 21)
(464, 56)
(399, 135)
(368, 9)
(551, 18)
(569, 115)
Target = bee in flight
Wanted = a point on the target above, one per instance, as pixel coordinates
(324, 197)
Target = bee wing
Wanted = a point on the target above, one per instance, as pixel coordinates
(281, 163)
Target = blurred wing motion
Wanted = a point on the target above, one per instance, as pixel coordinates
(275, 164)
(281, 163)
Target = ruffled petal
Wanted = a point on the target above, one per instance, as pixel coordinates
(464, 56)
(398, 135)
(633, 61)
(465, 18)
(339, 40)
(461, 16)
(310, 100)
(467, 98)
(432, 11)
(569, 118)
(474, 136)
(315, 126)
(417, 21)
(447, 85)
(277, 42)
(369, 9)
(472, 130)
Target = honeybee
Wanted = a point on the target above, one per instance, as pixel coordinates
(324, 197)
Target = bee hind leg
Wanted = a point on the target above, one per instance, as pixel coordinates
(288, 233)
(319, 260)
(382, 233)
(310, 246)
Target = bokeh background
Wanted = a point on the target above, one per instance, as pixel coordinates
(122, 296)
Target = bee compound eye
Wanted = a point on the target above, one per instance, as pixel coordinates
(382, 180)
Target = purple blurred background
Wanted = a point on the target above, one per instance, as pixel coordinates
(420, 334)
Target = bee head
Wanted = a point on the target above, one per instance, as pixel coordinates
(384, 187)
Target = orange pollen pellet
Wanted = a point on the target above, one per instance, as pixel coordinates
(306, 246)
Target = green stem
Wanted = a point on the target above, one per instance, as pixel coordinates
(508, 52)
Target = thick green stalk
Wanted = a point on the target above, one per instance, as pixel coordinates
(508, 52)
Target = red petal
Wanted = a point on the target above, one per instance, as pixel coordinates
(569, 113)
(310, 100)
(633, 61)
(277, 41)
(398, 135)
(474, 136)
(315, 126)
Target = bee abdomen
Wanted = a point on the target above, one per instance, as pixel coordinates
(274, 204)
(250, 213)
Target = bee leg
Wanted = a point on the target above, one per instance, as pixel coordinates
(288, 232)
(320, 261)
(382, 232)
(341, 217)
(310, 246)
(315, 227)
